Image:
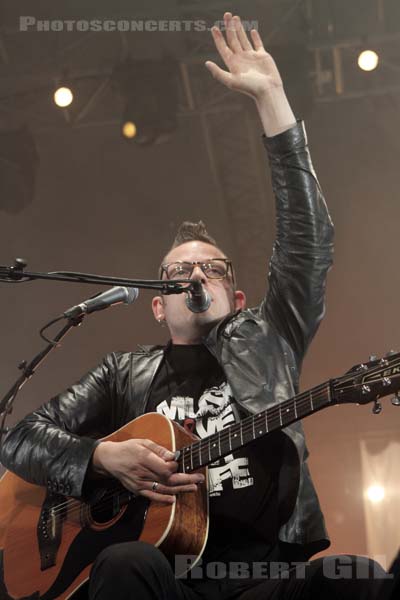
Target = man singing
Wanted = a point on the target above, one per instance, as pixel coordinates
(220, 365)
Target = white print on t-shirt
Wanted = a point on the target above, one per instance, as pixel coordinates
(215, 412)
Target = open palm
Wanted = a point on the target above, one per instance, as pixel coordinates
(251, 70)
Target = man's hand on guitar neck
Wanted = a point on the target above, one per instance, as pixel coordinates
(138, 464)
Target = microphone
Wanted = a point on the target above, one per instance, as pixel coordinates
(115, 295)
(198, 299)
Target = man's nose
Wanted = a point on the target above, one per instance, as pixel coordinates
(198, 274)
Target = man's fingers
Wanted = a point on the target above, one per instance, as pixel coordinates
(158, 468)
(224, 51)
(219, 74)
(154, 497)
(164, 493)
(231, 35)
(241, 34)
(257, 41)
(185, 479)
(162, 452)
(169, 489)
(152, 460)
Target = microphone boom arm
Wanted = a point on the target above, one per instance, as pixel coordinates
(17, 274)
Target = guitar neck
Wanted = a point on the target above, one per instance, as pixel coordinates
(220, 444)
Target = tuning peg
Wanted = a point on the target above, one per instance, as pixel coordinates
(372, 358)
(391, 352)
(396, 399)
(377, 408)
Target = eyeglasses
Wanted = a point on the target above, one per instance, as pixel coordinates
(214, 268)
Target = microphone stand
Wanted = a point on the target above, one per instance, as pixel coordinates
(28, 369)
(17, 274)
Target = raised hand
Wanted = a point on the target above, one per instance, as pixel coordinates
(252, 71)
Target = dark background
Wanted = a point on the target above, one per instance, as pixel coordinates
(107, 206)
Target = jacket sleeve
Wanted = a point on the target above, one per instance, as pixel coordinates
(302, 253)
(53, 446)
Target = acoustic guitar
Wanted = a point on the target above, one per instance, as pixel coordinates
(48, 541)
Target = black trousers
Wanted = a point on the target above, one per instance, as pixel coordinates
(139, 571)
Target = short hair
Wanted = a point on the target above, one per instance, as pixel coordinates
(193, 232)
(188, 232)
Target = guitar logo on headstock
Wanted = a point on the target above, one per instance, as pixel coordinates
(389, 372)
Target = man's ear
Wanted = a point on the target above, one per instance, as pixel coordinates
(157, 304)
(240, 300)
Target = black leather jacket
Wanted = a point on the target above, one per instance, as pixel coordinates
(260, 350)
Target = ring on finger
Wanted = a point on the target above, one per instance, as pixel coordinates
(154, 486)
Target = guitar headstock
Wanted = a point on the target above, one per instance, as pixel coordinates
(370, 381)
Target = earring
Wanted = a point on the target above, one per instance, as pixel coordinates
(162, 322)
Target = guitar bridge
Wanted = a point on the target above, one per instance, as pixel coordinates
(49, 530)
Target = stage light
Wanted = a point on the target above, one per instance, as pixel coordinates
(368, 60)
(129, 129)
(63, 97)
(375, 493)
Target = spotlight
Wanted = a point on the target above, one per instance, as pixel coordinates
(129, 129)
(375, 493)
(63, 96)
(368, 60)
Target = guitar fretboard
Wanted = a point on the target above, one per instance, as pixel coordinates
(212, 448)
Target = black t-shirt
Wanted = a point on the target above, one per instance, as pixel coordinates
(191, 388)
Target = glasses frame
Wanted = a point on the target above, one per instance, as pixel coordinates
(202, 265)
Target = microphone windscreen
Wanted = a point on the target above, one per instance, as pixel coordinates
(132, 294)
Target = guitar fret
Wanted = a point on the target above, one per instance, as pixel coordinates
(184, 468)
(215, 443)
(260, 431)
(255, 426)
(235, 434)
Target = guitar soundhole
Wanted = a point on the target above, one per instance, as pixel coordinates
(105, 506)
(103, 513)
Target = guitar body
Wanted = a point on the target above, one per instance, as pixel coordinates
(48, 542)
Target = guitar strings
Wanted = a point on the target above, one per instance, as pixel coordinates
(300, 401)
(224, 436)
(77, 505)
